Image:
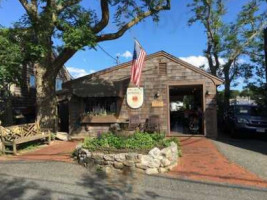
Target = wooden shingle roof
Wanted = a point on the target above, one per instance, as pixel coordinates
(215, 79)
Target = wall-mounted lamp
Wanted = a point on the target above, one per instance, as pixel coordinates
(207, 92)
(156, 95)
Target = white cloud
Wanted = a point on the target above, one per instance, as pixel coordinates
(92, 71)
(77, 72)
(127, 54)
(196, 61)
(199, 61)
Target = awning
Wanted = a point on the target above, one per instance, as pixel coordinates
(96, 87)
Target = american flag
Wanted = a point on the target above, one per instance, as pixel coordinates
(138, 63)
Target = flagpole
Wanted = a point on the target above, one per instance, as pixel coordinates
(134, 38)
(138, 42)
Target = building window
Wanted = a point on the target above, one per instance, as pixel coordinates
(101, 105)
(58, 84)
(162, 68)
(32, 81)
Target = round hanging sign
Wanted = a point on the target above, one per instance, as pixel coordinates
(135, 97)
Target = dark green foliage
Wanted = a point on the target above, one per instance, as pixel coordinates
(256, 92)
(77, 26)
(10, 59)
(138, 141)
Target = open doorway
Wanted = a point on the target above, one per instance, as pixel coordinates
(186, 109)
(63, 114)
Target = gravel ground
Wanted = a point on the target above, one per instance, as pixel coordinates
(57, 180)
(249, 153)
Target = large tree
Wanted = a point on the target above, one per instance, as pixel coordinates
(228, 42)
(74, 24)
(258, 57)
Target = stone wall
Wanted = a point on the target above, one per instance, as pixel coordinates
(1, 145)
(156, 161)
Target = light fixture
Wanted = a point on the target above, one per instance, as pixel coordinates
(156, 95)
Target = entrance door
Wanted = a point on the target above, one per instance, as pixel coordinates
(63, 113)
(186, 109)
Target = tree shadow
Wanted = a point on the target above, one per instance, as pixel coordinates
(248, 143)
(89, 185)
(99, 186)
(17, 188)
(116, 186)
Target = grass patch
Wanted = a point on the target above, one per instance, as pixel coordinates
(29, 146)
(53, 136)
(138, 142)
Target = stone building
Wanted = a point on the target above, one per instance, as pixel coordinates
(173, 90)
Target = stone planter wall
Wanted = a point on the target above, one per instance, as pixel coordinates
(1, 145)
(156, 161)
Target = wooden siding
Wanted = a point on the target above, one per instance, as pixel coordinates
(24, 96)
(153, 82)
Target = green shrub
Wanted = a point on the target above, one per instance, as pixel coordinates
(53, 136)
(138, 141)
(158, 136)
(167, 141)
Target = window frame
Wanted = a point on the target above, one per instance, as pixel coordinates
(32, 81)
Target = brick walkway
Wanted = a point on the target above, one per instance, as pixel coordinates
(57, 151)
(202, 161)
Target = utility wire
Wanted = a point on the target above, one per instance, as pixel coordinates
(116, 59)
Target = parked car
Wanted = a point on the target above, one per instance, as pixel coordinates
(241, 119)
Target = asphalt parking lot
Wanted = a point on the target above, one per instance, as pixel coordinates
(58, 180)
(248, 151)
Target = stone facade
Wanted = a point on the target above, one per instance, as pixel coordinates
(156, 161)
(154, 81)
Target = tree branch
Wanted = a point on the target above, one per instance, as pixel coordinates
(210, 61)
(60, 60)
(239, 50)
(31, 9)
(35, 6)
(105, 17)
(212, 43)
(65, 4)
(217, 62)
(127, 26)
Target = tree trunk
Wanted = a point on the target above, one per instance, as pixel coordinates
(227, 90)
(265, 51)
(8, 113)
(46, 98)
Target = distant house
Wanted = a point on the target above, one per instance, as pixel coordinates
(24, 96)
(98, 100)
(239, 100)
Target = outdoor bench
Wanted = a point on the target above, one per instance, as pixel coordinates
(15, 135)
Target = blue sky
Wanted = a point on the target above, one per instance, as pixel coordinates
(171, 34)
